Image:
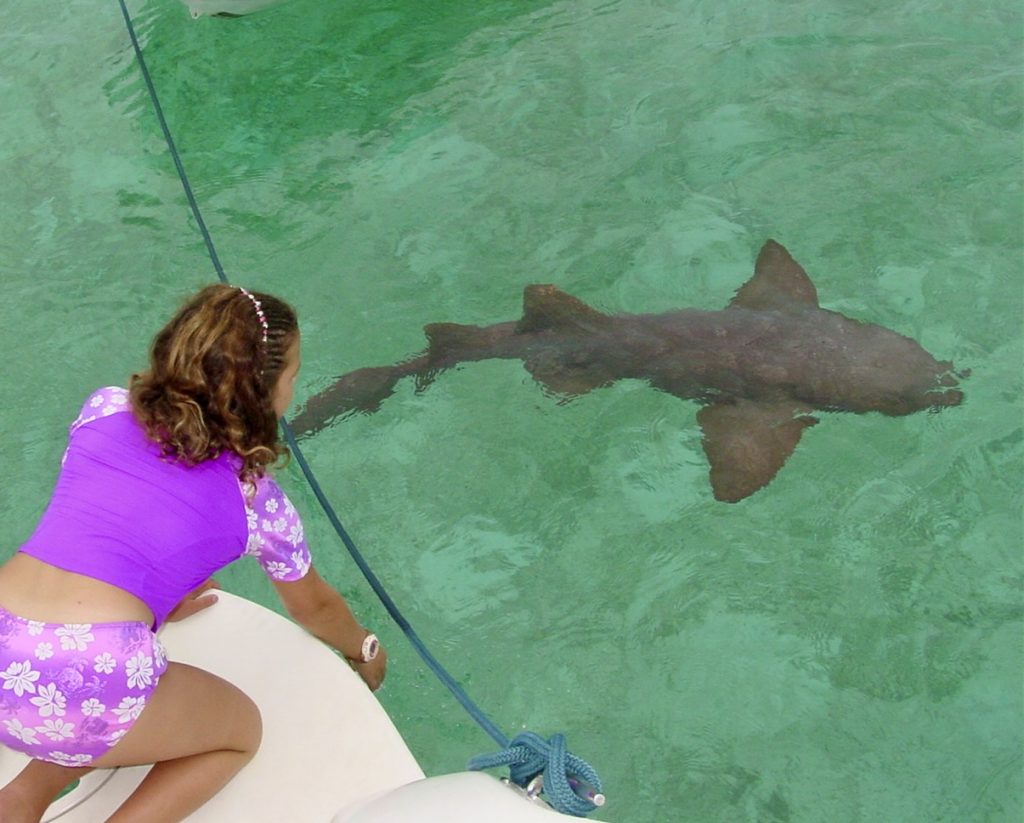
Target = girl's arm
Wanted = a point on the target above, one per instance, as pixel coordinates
(315, 605)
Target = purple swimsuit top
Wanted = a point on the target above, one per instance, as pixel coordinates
(123, 513)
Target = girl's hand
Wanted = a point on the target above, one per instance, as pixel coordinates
(372, 672)
(194, 601)
(321, 610)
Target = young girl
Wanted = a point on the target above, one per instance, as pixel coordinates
(161, 486)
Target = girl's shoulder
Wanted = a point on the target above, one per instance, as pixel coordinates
(101, 403)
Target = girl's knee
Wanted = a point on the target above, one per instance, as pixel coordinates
(251, 727)
(256, 732)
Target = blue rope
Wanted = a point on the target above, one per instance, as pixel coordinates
(385, 598)
(562, 766)
(571, 784)
(170, 145)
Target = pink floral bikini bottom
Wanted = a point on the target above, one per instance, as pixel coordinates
(70, 691)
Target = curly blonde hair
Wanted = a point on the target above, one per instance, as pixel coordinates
(211, 379)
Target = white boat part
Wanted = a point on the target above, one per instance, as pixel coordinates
(463, 797)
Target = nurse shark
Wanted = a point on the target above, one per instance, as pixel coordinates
(758, 368)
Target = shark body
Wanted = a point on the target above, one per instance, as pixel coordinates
(759, 368)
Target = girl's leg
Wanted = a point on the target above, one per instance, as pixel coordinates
(199, 730)
(25, 798)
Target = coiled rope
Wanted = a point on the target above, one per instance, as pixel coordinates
(570, 783)
(560, 767)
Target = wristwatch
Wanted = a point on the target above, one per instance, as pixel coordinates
(370, 648)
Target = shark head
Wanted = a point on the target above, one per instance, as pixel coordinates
(804, 358)
(844, 364)
(883, 371)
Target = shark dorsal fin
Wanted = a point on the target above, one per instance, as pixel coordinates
(547, 307)
(779, 283)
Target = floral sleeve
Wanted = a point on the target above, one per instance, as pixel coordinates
(275, 538)
(108, 400)
(100, 403)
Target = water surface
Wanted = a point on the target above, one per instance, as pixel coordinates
(844, 645)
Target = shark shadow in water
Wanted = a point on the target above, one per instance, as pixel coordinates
(759, 368)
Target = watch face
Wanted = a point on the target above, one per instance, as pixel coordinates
(370, 647)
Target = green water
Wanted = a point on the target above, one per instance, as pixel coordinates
(845, 645)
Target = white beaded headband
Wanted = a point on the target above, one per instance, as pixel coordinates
(259, 311)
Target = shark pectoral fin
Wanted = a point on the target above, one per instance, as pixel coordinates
(747, 442)
(547, 307)
(779, 283)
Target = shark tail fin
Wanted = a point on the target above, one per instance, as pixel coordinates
(358, 391)
(546, 307)
(779, 283)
